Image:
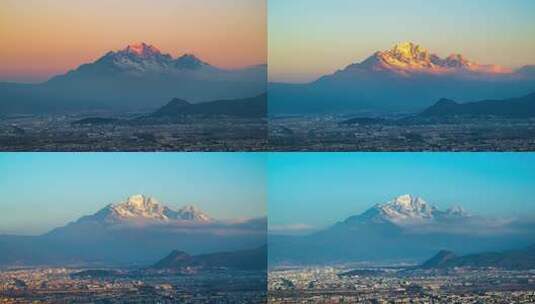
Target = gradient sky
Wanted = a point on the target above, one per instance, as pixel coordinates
(318, 189)
(310, 38)
(41, 191)
(39, 39)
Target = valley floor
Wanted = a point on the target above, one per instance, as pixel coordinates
(328, 133)
(324, 285)
(56, 285)
(58, 133)
(310, 133)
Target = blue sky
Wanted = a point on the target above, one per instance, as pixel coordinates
(309, 38)
(315, 190)
(41, 191)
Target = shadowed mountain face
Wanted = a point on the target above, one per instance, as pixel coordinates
(404, 78)
(404, 229)
(251, 259)
(441, 258)
(139, 230)
(520, 259)
(177, 109)
(137, 77)
(521, 107)
(255, 107)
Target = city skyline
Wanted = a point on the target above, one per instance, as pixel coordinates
(46, 39)
(486, 184)
(330, 36)
(49, 190)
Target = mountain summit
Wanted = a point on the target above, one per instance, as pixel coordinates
(406, 209)
(142, 49)
(141, 208)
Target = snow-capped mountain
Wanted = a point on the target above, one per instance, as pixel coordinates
(407, 57)
(407, 209)
(404, 78)
(136, 230)
(141, 58)
(141, 208)
(137, 77)
(406, 228)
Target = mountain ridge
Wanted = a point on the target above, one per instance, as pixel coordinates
(246, 107)
(406, 209)
(516, 259)
(516, 107)
(139, 207)
(246, 259)
(407, 57)
(176, 110)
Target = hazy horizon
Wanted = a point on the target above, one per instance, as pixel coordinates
(310, 191)
(332, 35)
(47, 190)
(47, 39)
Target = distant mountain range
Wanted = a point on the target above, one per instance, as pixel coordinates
(519, 259)
(249, 259)
(521, 107)
(407, 210)
(179, 262)
(140, 208)
(177, 110)
(254, 107)
(404, 229)
(446, 110)
(405, 78)
(136, 77)
(139, 230)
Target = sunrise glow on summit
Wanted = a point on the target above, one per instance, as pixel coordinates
(408, 57)
(142, 49)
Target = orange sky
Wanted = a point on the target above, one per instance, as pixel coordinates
(39, 39)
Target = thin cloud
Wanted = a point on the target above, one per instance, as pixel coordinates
(296, 228)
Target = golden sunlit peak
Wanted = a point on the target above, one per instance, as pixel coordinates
(408, 49)
(142, 49)
(407, 57)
